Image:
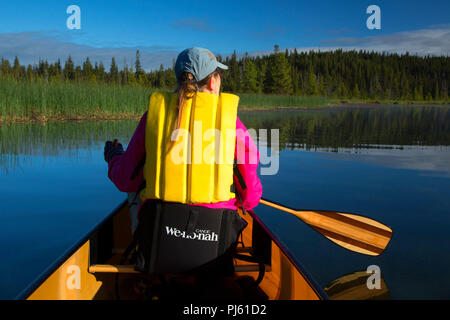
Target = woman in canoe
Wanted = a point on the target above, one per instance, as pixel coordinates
(193, 163)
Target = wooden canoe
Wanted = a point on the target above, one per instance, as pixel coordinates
(89, 270)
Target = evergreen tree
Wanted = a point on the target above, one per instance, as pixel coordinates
(356, 94)
(5, 67)
(69, 69)
(436, 91)
(87, 69)
(101, 71)
(312, 89)
(124, 75)
(131, 79)
(249, 78)
(29, 73)
(16, 67)
(113, 72)
(278, 79)
(232, 80)
(405, 89)
(170, 79)
(78, 73)
(160, 81)
(139, 72)
(418, 93)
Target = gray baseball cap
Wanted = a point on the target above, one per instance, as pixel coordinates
(198, 61)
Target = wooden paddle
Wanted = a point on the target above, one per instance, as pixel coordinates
(351, 231)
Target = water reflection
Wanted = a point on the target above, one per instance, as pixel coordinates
(340, 130)
(424, 158)
(355, 286)
(365, 128)
(57, 139)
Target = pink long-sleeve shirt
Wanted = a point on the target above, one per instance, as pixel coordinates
(121, 167)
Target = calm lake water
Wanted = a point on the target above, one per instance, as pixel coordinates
(388, 163)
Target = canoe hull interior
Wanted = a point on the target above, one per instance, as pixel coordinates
(89, 270)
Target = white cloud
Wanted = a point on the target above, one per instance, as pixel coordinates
(31, 46)
(421, 42)
(432, 41)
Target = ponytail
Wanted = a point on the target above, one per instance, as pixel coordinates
(186, 89)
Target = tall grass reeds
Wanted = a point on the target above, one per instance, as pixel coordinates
(63, 100)
(40, 100)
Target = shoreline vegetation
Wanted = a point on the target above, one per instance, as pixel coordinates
(80, 102)
(41, 101)
(63, 92)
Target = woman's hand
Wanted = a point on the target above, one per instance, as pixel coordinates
(112, 149)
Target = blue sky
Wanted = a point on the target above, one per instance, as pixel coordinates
(33, 29)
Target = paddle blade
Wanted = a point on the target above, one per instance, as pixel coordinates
(351, 231)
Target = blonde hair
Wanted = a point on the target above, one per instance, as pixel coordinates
(187, 88)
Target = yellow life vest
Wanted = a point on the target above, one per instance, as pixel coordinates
(198, 166)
